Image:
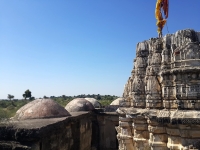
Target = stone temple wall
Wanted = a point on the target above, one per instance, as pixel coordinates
(80, 131)
(163, 95)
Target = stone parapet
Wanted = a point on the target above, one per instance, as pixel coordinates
(80, 131)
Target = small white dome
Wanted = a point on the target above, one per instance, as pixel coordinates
(117, 101)
(79, 104)
(94, 102)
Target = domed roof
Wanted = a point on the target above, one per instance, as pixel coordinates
(117, 101)
(79, 104)
(41, 108)
(94, 102)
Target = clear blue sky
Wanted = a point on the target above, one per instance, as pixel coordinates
(71, 47)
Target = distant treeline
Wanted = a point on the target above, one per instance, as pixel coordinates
(96, 96)
(9, 107)
(64, 97)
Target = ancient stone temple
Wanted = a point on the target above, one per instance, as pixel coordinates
(162, 95)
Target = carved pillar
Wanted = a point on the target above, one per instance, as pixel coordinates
(168, 91)
(166, 61)
(125, 136)
(118, 129)
(153, 87)
(174, 139)
(141, 134)
(153, 91)
(138, 90)
(157, 135)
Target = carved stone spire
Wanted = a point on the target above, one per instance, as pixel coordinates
(164, 89)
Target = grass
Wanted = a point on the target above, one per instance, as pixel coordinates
(63, 102)
(105, 102)
(9, 108)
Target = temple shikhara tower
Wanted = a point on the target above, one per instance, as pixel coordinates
(162, 107)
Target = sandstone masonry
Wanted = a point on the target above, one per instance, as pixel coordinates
(163, 95)
(80, 131)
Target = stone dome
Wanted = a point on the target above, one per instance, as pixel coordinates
(41, 108)
(117, 101)
(94, 102)
(79, 104)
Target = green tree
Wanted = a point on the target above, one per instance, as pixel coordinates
(64, 97)
(32, 98)
(10, 96)
(98, 97)
(27, 94)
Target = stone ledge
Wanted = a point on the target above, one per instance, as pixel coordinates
(163, 116)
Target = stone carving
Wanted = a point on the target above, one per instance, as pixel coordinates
(164, 92)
